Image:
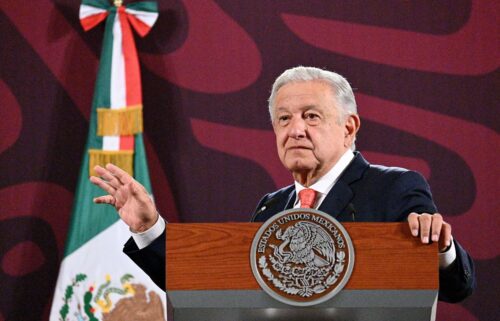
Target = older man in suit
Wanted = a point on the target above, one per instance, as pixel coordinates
(315, 119)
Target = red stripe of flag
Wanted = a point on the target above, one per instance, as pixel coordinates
(132, 71)
(127, 143)
(93, 20)
(139, 26)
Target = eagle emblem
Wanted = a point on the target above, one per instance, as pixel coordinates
(302, 257)
(307, 244)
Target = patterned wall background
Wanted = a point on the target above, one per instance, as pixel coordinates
(426, 78)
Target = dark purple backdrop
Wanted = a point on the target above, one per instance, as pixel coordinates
(426, 80)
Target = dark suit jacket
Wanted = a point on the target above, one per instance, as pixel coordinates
(373, 193)
(363, 193)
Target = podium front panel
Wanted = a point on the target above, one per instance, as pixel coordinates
(209, 276)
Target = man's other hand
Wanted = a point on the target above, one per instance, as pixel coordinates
(430, 227)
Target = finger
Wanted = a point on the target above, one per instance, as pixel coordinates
(413, 223)
(100, 171)
(102, 184)
(119, 173)
(107, 176)
(445, 236)
(436, 225)
(106, 199)
(425, 221)
(111, 180)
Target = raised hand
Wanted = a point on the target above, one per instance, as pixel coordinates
(130, 199)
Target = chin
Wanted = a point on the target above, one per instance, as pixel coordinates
(299, 166)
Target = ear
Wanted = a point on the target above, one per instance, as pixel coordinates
(351, 127)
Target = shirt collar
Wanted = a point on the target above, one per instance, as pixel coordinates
(326, 182)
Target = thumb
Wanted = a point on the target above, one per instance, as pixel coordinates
(132, 189)
(139, 192)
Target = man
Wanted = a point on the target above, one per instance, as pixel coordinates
(315, 120)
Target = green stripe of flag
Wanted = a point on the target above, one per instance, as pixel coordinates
(148, 6)
(103, 4)
(102, 92)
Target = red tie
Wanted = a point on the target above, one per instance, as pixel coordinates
(307, 198)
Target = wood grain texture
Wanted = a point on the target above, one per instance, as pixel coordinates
(215, 256)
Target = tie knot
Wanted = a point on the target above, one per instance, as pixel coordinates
(307, 197)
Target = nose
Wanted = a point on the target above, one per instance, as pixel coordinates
(297, 128)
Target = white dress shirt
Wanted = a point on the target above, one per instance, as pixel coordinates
(145, 238)
(326, 182)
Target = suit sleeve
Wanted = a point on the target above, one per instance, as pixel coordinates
(150, 259)
(411, 193)
(457, 281)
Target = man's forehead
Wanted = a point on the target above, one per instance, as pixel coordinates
(304, 95)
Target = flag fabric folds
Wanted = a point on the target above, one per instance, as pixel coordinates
(96, 280)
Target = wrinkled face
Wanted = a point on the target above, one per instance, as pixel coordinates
(311, 135)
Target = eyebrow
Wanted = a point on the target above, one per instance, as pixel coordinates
(302, 108)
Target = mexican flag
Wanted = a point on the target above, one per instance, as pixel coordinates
(96, 280)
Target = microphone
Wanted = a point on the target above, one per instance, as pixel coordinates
(264, 207)
(351, 210)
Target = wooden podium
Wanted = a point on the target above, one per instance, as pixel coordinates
(209, 276)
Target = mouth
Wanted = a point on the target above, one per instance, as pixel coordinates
(298, 147)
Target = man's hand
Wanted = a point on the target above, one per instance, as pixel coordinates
(129, 197)
(430, 227)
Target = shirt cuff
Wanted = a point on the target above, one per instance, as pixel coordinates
(448, 257)
(145, 238)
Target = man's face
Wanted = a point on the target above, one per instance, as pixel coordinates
(311, 135)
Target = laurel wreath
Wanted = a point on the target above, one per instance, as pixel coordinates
(277, 283)
(305, 291)
(68, 294)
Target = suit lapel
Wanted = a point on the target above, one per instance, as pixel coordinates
(291, 200)
(337, 199)
(341, 194)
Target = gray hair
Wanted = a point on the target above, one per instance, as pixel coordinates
(340, 87)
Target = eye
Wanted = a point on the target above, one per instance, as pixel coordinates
(312, 117)
(283, 119)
